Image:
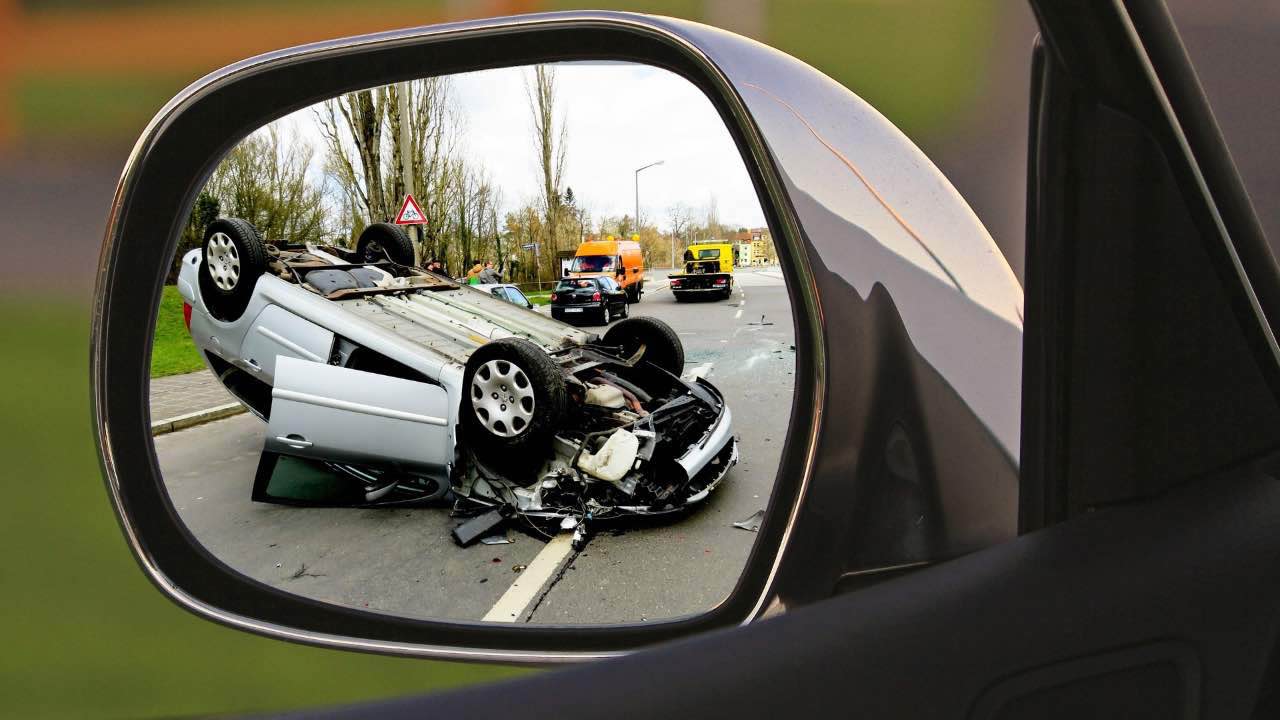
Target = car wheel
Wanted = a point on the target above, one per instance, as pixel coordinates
(514, 400)
(605, 315)
(661, 344)
(381, 241)
(233, 256)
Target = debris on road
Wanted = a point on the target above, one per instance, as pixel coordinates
(477, 527)
(751, 524)
(302, 572)
(496, 540)
(518, 568)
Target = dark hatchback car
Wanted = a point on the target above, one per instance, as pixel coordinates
(588, 300)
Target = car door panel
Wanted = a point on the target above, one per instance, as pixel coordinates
(278, 332)
(323, 412)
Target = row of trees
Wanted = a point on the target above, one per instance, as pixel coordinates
(377, 145)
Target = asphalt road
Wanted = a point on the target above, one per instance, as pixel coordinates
(404, 561)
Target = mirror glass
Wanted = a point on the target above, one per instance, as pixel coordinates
(508, 346)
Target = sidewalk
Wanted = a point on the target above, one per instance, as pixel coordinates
(180, 401)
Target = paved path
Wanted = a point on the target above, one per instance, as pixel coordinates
(188, 396)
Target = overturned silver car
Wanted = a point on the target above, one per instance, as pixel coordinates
(406, 387)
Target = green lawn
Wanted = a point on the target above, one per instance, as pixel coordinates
(85, 634)
(539, 298)
(173, 352)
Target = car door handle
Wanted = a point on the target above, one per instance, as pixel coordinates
(294, 441)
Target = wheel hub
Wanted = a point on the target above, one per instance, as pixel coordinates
(223, 261)
(502, 398)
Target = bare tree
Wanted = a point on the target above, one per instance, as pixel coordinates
(679, 218)
(620, 225)
(578, 214)
(434, 129)
(524, 228)
(713, 226)
(366, 162)
(549, 141)
(264, 181)
(357, 118)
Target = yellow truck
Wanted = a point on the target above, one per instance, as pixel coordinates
(708, 272)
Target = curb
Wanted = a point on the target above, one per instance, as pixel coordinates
(199, 417)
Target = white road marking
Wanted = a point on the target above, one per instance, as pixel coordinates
(701, 371)
(515, 601)
(737, 314)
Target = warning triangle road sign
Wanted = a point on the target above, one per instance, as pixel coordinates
(410, 213)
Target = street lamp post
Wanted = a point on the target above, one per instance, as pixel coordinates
(646, 167)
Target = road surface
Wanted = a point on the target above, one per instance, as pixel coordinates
(404, 561)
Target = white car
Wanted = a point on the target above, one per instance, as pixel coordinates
(506, 291)
(412, 385)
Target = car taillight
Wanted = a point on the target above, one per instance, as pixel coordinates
(596, 297)
(186, 315)
(675, 283)
(553, 297)
(721, 281)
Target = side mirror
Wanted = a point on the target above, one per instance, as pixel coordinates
(876, 408)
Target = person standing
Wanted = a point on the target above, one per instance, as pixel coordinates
(489, 275)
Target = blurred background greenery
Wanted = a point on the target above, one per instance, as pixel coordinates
(85, 634)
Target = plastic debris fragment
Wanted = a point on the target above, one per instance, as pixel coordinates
(751, 524)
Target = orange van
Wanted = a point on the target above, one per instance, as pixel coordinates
(618, 259)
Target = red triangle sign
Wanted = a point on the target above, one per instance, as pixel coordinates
(410, 213)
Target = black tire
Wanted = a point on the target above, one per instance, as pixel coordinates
(605, 315)
(633, 293)
(677, 296)
(381, 241)
(662, 345)
(528, 430)
(232, 258)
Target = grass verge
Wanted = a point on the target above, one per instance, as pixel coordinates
(173, 352)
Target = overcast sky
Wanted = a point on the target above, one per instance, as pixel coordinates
(619, 116)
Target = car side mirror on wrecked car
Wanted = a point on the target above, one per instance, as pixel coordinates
(694, 466)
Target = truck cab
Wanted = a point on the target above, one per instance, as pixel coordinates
(707, 272)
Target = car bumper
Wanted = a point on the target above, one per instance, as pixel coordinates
(720, 434)
(713, 289)
(569, 312)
